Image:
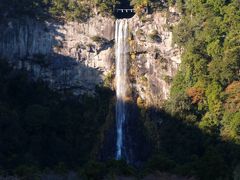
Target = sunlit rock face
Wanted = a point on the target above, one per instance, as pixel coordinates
(78, 56)
(154, 58)
(69, 56)
(152, 61)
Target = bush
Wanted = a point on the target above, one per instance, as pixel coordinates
(167, 79)
(154, 36)
(161, 163)
(98, 39)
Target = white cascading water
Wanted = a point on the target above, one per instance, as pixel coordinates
(121, 52)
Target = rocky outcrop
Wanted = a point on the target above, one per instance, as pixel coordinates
(78, 56)
(154, 58)
(69, 56)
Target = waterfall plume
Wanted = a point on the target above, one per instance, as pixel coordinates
(121, 52)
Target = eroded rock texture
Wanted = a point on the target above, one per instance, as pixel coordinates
(78, 56)
(69, 56)
(154, 58)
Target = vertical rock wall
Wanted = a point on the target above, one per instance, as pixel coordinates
(78, 56)
(154, 58)
(73, 56)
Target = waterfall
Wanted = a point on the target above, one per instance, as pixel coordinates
(121, 52)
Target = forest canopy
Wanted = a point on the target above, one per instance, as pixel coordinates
(75, 10)
(206, 89)
(78, 10)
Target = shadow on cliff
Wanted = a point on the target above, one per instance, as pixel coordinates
(187, 149)
(41, 128)
(156, 141)
(136, 149)
(69, 74)
(39, 48)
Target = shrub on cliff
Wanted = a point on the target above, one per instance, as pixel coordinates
(77, 10)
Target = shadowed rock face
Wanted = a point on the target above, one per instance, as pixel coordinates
(137, 147)
(73, 56)
(78, 56)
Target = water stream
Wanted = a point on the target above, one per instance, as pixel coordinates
(121, 53)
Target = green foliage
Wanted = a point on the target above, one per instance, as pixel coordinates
(98, 39)
(151, 5)
(161, 163)
(93, 170)
(108, 79)
(212, 165)
(40, 128)
(27, 172)
(139, 5)
(109, 169)
(106, 7)
(167, 79)
(71, 10)
(13, 8)
(205, 91)
(237, 173)
(184, 149)
(231, 126)
(78, 10)
(207, 61)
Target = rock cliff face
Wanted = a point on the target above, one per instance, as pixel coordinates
(78, 56)
(154, 58)
(69, 56)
